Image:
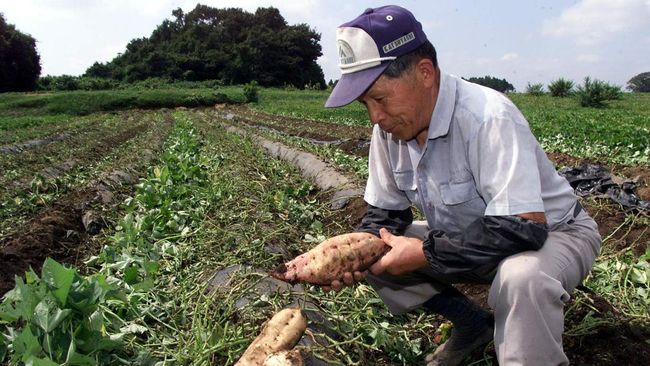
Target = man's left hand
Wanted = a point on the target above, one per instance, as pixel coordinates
(406, 255)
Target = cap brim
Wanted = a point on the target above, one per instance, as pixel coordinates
(351, 86)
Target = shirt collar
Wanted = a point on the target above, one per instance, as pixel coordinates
(444, 109)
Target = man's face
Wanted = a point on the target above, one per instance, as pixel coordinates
(395, 105)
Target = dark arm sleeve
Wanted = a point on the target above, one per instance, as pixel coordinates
(396, 221)
(483, 245)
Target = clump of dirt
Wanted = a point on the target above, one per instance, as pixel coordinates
(606, 337)
(56, 232)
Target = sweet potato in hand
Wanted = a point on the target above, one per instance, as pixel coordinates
(331, 259)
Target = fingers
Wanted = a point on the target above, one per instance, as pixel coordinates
(386, 236)
(379, 266)
(348, 279)
(359, 276)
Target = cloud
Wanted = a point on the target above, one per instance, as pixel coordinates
(588, 58)
(592, 22)
(509, 56)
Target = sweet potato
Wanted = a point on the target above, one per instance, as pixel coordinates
(280, 333)
(329, 260)
(285, 358)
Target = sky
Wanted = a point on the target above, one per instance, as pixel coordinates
(527, 41)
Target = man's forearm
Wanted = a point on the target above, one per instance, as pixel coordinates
(484, 243)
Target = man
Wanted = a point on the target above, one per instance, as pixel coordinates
(496, 210)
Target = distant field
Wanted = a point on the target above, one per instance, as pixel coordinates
(16, 105)
(619, 133)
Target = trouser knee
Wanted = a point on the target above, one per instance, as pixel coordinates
(521, 279)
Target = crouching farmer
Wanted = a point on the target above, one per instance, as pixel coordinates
(496, 210)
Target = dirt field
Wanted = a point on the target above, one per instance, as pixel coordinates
(64, 228)
(61, 229)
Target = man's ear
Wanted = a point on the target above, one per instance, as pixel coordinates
(426, 72)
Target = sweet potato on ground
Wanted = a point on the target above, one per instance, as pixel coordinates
(329, 260)
(285, 358)
(280, 333)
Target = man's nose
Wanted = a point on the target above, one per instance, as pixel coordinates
(376, 115)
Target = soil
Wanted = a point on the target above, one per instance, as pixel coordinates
(614, 338)
(58, 230)
(94, 144)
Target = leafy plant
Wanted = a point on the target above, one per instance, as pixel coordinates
(625, 281)
(63, 317)
(593, 93)
(251, 92)
(560, 87)
(535, 89)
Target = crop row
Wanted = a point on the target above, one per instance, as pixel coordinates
(33, 187)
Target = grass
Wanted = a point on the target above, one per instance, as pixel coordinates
(14, 106)
(619, 133)
(310, 104)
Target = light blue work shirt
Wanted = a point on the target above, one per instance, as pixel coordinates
(480, 158)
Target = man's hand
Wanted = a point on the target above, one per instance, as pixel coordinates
(406, 255)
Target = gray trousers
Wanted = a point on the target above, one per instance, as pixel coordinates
(527, 294)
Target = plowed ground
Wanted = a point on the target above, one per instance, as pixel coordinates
(57, 230)
(620, 341)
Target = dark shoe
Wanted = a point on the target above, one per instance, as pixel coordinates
(455, 350)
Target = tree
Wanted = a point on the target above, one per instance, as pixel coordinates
(231, 45)
(500, 85)
(20, 64)
(640, 83)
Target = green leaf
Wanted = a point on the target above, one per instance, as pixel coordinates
(145, 285)
(131, 274)
(151, 267)
(111, 342)
(85, 294)
(96, 322)
(74, 358)
(59, 277)
(26, 344)
(35, 361)
(48, 316)
(25, 297)
(77, 359)
(3, 348)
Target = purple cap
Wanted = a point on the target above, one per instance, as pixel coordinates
(367, 44)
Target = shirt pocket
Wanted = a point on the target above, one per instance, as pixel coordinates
(456, 193)
(404, 180)
(461, 205)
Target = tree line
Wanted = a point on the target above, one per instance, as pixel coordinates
(230, 45)
(226, 46)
